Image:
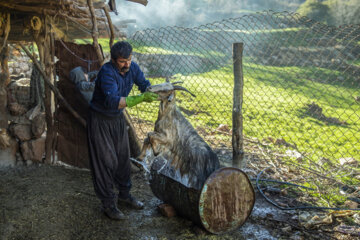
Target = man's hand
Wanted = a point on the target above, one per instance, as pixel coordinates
(144, 97)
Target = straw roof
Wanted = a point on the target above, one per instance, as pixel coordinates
(68, 18)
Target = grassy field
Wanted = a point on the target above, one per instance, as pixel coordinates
(277, 104)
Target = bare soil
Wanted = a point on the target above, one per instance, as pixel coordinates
(55, 202)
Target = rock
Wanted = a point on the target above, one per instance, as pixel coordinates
(293, 153)
(286, 229)
(34, 149)
(16, 109)
(351, 204)
(348, 161)
(38, 125)
(8, 153)
(4, 139)
(223, 128)
(356, 218)
(167, 210)
(21, 131)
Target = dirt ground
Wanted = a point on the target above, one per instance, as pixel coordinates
(56, 202)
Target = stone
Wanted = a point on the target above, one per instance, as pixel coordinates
(351, 204)
(21, 131)
(34, 149)
(38, 125)
(8, 152)
(167, 210)
(348, 161)
(16, 109)
(223, 128)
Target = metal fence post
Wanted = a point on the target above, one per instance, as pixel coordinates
(237, 117)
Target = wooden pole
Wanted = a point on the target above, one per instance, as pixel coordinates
(111, 26)
(53, 88)
(237, 117)
(95, 32)
(55, 123)
(48, 101)
(4, 76)
(135, 144)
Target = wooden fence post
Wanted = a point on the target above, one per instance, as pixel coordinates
(237, 117)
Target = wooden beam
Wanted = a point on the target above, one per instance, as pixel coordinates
(4, 49)
(143, 2)
(53, 88)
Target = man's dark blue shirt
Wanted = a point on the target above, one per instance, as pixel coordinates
(110, 86)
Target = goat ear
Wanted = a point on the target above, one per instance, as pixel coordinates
(171, 97)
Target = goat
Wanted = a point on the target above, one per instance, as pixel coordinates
(177, 141)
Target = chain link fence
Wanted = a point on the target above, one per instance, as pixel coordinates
(301, 87)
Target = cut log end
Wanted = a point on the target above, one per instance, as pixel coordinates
(226, 200)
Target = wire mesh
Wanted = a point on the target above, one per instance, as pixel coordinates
(305, 66)
(301, 88)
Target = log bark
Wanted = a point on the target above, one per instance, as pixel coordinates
(53, 88)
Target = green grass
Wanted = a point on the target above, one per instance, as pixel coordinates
(275, 103)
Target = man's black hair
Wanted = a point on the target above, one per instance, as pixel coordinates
(121, 49)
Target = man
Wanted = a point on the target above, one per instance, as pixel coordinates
(83, 82)
(106, 128)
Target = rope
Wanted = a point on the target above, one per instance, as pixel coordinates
(294, 208)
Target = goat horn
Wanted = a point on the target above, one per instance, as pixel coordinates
(183, 89)
(177, 82)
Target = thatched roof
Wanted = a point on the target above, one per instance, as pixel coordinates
(68, 18)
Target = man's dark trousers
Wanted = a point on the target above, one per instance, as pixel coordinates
(109, 156)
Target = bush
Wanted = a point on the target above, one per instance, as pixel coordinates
(315, 10)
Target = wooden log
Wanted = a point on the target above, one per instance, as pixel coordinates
(223, 204)
(4, 76)
(95, 32)
(112, 31)
(143, 2)
(46, 45)
(6, 30)
(237, 118)
(53, 88)
(55, 129)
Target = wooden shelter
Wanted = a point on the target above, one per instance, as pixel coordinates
(52, 25)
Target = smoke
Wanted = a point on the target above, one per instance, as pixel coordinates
(190, 13)
(157, 13)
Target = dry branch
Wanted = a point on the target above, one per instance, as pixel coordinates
(95, 32)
